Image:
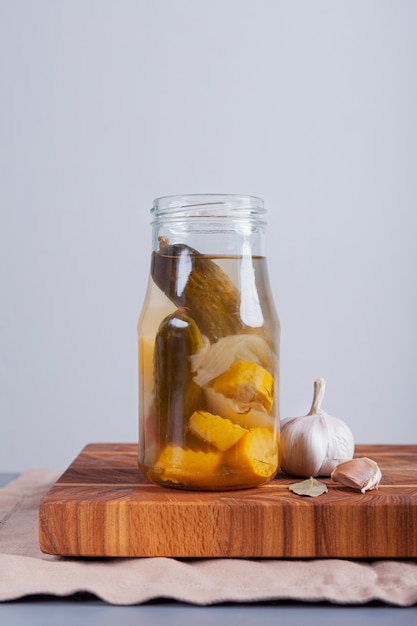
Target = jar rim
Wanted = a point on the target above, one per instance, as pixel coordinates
(208, 204)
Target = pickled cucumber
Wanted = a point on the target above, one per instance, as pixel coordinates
(177, 396)
(194, 281)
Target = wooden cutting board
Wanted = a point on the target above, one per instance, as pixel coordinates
(102, 506)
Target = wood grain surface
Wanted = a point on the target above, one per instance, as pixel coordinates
(102, 506)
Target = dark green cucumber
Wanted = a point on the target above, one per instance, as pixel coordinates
(177, 396)
(194, 281)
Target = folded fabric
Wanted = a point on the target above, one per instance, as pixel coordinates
(25, 570)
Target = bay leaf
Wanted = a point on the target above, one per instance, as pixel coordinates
(309, 487)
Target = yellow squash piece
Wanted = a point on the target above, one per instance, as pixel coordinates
(256, 454)
(247, 383)
(216, 430)
(188, 467)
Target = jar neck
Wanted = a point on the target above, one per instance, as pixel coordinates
(213, 224)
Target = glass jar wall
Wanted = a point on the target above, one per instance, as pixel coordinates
(208, 344)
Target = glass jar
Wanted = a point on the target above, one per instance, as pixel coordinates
(208, 341)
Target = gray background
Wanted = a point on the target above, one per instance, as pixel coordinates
(104, 105)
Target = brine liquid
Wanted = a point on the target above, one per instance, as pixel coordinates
(231, 438)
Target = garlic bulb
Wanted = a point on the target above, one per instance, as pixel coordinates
(313, 445)
(360, 473)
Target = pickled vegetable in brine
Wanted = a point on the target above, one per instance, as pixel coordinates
(208, 363)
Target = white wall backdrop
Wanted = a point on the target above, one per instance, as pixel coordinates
(105, 104)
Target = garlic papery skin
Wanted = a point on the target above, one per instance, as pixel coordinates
(313, 445)
(360, 473)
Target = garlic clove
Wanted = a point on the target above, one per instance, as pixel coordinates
(212, 360)
(360, 473)
(251, 417)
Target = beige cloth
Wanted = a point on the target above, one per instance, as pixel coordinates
(24, 570)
